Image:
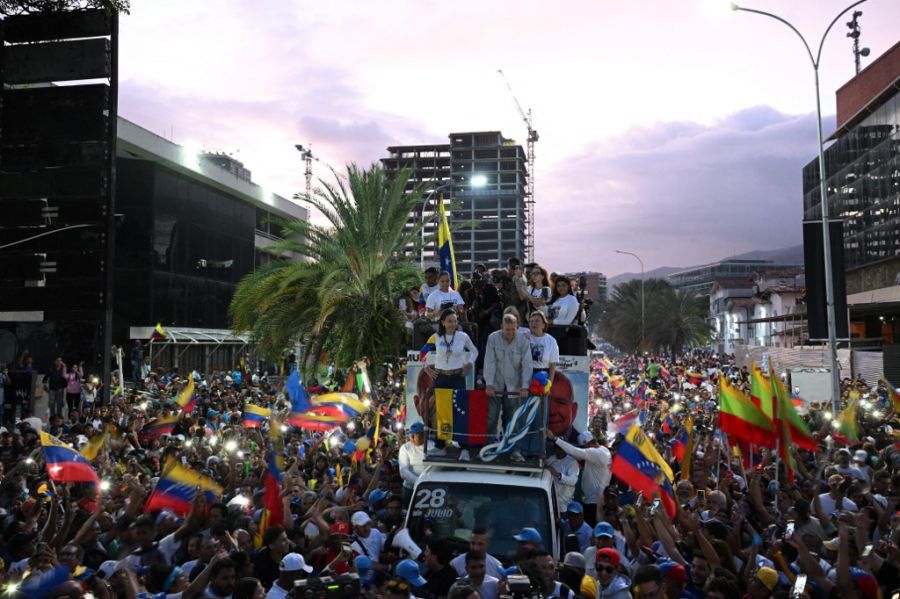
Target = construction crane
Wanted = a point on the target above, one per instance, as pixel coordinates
(529, 176)
(307, 155)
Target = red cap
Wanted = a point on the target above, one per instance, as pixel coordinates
(340, 528)
(609, 554)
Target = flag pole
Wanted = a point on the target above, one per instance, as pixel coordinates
(777, 467)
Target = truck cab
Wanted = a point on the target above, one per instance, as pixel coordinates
(449, 501)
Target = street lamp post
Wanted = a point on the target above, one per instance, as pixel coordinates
(642, 289)
(823, 195)
(474, 181)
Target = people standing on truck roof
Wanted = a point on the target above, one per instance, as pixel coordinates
(507, 374)
(454, 356)
(444, 298)
(563, 306)
(411, 459)
(595, 475)
(544, 358)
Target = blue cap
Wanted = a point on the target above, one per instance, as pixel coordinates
(408, 570)
(416, 427)
(528, 535)
(575, 508)
(363, 563)
(375, 496)
(604, 529)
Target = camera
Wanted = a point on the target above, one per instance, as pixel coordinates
(345, 586)
(521, 587)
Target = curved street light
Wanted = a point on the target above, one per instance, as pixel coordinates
(823, 193)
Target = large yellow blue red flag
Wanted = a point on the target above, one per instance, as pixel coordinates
(639, 465)
(445, 245)
(64, 464)
(177, 488)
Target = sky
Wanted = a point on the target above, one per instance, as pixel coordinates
(674, 130)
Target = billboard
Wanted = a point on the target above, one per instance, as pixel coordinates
(568, 410)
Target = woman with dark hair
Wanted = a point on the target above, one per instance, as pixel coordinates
(453, 357)
(538, 289)
(248, 588)
(563, 306)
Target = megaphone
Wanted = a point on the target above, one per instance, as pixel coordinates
(403, 541)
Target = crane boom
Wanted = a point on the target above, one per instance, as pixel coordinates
(529, 176)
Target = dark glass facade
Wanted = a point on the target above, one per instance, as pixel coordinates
(181, 249)
(863, 182)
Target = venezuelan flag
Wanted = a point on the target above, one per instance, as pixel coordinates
(429, 346)
(461, 416)
(92, 449)
(694, 378)
(319, 419)
(159, 427)
(640, 466)
(159, 333)
(177, 488)
(679, 443)
(273, 507)
(255, 416)
(186, 400)
(64, 464)
(445, 245)
(348, 402)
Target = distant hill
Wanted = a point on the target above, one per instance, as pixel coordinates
(788, 255)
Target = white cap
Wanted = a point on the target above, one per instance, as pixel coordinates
(294, 562)
(585, 437)
(860, 455)
(360, 519)
(108, 568)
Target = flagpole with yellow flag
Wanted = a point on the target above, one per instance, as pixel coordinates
(445, 245)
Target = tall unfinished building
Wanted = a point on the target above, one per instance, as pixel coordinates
(484, 175)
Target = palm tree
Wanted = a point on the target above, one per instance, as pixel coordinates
(345, 290)
(680, 320)
(672, 319)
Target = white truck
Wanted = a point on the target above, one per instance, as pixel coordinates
(450, 500)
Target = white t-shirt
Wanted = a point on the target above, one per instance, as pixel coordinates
(427, 289)
(540, 293)
(492, 565)
(276, 592)
(440, 300)
(371, 546)
(452, 352)
(829, 505)
(544, 350)
(564, 310)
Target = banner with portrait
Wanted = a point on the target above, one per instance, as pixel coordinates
(568, 410)
(418, 383)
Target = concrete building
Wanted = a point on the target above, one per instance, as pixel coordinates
(488, 221)
(863, 183)
(767, 309)
(700, 279)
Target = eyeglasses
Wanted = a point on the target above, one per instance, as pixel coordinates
(607, 569)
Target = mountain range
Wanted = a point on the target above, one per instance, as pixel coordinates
(788, 255)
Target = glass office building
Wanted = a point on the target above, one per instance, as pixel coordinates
(862, 168)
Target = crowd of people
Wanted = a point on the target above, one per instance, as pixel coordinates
(743, 525)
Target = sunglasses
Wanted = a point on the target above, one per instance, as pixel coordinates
(607, 569)
(396, 584)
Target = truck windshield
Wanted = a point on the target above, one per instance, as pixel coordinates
(452, 510)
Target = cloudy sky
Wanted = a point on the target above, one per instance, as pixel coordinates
(675, 130)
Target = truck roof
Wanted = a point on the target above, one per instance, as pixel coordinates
(489, 476)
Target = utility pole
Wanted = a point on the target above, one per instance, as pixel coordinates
(853, 26)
